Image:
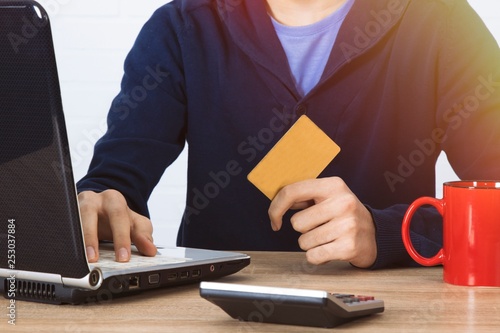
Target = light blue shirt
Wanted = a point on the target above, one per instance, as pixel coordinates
(308, 47)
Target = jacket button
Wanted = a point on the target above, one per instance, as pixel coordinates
(300, 110)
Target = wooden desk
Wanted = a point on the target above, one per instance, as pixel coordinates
(416, 300)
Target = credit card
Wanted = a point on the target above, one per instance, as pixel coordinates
(302, 153)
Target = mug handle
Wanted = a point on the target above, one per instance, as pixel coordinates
(439, 205)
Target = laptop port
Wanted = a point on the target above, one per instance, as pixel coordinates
(133, 282)
(196, 273)
(171, 276)
(184, 275)
(154, 278)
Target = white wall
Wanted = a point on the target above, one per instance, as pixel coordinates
(92, 38)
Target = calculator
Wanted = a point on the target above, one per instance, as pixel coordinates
(289, 306)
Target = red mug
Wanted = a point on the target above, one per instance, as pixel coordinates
(471, 233)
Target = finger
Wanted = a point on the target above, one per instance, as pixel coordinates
(142, 234)
(293, 195)
(329, 208)
(302, 205)
(321, 235)
(314, 216)
(339, 241)
(341, 248)
(89, 218)
(119, 222)
(324, 253)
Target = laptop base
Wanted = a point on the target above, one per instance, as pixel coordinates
(116, 286)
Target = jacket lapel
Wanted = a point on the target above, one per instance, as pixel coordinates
(252, 30)
(366, 24)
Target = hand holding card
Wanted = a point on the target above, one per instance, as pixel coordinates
(302, 153)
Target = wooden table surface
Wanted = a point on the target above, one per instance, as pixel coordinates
(416, 300)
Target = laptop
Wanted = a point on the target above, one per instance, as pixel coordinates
(42, 252)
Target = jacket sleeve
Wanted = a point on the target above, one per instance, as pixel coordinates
(468, 112)
(147, 119)
(469, 96)
(426, 233)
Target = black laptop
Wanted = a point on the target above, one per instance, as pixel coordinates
(42, 252)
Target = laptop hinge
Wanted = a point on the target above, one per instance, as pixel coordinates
(92, 281)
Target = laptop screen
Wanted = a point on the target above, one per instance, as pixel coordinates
(37, 194)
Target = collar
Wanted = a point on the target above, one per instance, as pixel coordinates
(365, 25)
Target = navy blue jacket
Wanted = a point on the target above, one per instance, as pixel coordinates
(405, 80)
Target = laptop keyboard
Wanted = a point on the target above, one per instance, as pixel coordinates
(107, 261)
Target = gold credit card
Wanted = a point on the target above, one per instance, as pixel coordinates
(302, 153)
